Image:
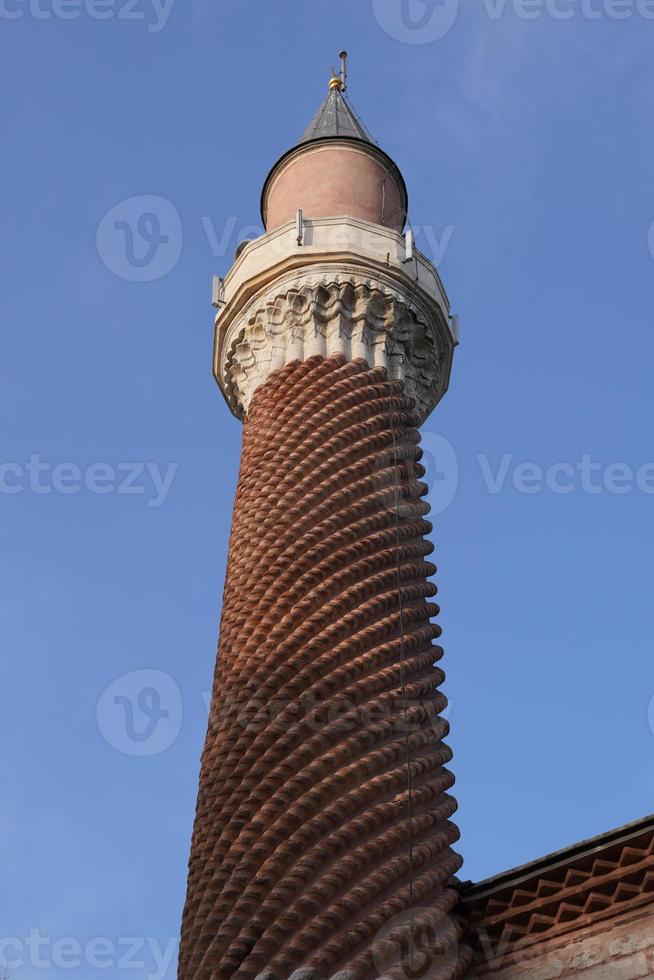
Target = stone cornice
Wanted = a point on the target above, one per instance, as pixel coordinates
(337, 295)
(327, 239)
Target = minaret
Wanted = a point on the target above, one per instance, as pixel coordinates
(323, 838)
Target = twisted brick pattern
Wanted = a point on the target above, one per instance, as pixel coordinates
(323, 804)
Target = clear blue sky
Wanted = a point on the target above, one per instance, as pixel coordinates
(528, 149)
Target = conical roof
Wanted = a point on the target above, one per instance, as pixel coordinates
(335, 119)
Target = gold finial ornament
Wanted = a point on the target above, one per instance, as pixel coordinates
(338, 83)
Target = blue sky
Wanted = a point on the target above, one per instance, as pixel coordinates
(526, 141)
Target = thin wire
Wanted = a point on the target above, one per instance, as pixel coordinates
(358, 118)
(402, 645)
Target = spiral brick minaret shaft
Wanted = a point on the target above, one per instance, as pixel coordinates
(322, 845)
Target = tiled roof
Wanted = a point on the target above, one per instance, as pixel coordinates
(591, 881)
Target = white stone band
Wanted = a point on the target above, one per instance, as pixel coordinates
(333, 314)
(346, 292)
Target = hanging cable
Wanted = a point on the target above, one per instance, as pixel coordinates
(390, 352)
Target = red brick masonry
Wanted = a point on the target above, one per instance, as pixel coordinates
(585, 912)
(300, 854)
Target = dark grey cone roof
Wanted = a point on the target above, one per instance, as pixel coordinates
(335, 118)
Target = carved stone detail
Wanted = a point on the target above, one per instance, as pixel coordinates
(357, 316)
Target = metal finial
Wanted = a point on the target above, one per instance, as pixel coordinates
(343, 57)
(338, 82)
